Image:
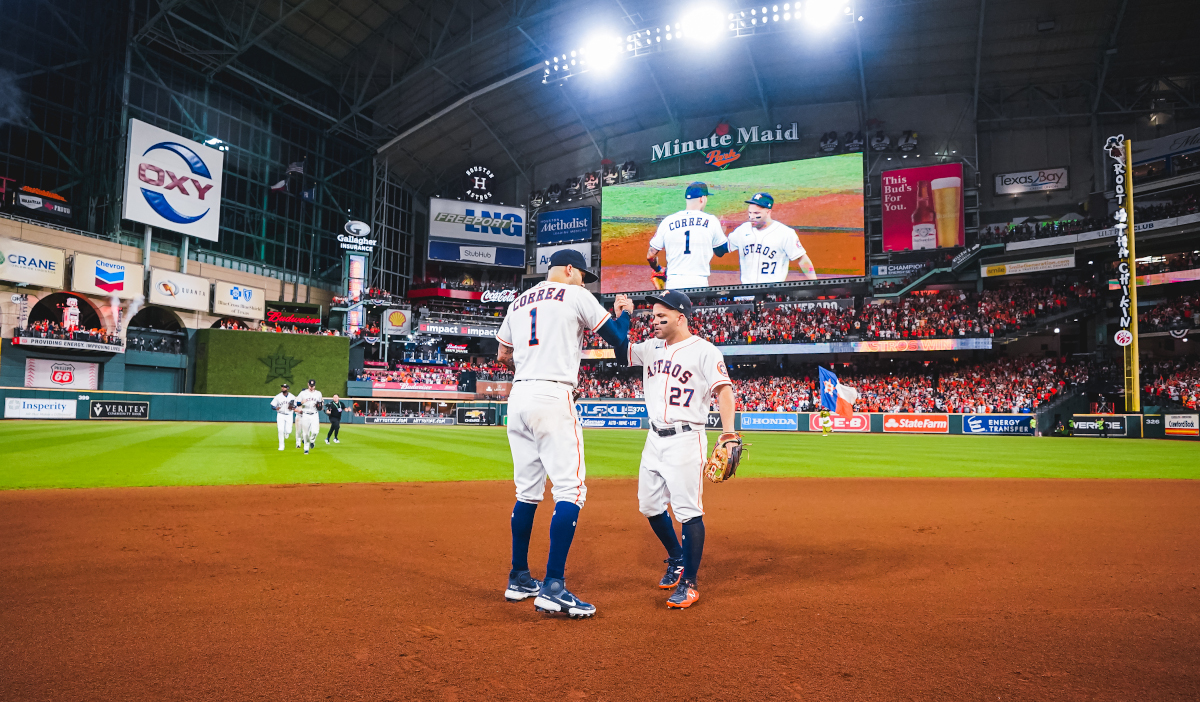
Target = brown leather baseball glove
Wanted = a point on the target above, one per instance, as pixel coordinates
(726, 455)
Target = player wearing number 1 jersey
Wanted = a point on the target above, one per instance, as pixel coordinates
(766, 248)
(690, 238)
(680, 373)
(541, 338)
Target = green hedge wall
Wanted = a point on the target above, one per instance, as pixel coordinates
(255, 363)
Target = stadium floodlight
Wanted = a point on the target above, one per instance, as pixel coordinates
(822, 13)
(704, 25)
(602, 50)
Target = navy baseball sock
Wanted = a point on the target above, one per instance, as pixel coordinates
(562, 532)
(522, 527)
(665, 531)
(693, 546)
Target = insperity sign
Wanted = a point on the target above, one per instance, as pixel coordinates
(172, 182)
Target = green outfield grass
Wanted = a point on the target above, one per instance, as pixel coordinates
(115, 454)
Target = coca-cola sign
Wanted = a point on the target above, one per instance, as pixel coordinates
(498, 296)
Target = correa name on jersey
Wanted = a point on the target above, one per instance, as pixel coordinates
(541, 295)
(688, 222)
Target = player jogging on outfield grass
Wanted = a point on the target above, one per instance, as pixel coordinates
(680, 372)
(310, 401)
(541, 340)
(691, 237)
(284, 404)
(333, 410)
(766, 248)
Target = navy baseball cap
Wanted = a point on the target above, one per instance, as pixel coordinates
(571, 257)
(696, 190)
(283, 385)
(674, 299)
(762, 200)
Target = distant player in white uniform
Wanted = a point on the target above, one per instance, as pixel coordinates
(541, 339)
(766, 248)
(284, 404)
(680, 373)
(690, 238)
(310, 401)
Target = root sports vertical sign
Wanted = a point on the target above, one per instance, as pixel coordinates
(923, 208)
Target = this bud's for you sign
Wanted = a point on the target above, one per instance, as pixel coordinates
(923, 208)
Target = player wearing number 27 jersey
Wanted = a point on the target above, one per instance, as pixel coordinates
(766, 248)
(690, 238)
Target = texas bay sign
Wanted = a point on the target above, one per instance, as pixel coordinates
(721, 137)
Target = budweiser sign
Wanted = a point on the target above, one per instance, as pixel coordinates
(291, 317)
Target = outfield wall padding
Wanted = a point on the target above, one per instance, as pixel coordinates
(255, 363)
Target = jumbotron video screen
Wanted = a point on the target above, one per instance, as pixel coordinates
(819, 199)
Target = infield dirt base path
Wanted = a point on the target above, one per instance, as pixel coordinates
(810, 589)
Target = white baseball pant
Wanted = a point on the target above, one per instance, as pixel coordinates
(672, 473)
(546, 440)
(309, 427)
(283, 424)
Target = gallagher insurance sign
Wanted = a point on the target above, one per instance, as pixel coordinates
(171, 182)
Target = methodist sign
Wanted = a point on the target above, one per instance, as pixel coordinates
(21, 262)
(172, 182)
(561, 226)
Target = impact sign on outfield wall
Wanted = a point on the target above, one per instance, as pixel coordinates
(26, 408)
(62, 375)
(172, 182)
(858, 422)
(917, 423)
(997, 424)
(768, 421)
(1183, 425)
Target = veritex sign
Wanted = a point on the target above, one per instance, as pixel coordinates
(722, 137)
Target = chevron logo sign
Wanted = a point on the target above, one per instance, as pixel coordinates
(110, 277)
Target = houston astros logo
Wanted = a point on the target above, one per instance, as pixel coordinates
(280, 365)
(478, 178)
(184, 188)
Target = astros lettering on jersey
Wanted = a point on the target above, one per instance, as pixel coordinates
(765, 255)
(688, 237)
(679, 380)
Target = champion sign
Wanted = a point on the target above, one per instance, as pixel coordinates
(172, 182)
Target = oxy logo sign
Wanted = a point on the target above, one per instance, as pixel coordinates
(172, 182)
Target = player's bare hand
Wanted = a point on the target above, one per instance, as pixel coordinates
(623, 304)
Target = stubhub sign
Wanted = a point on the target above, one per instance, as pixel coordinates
(768, 421)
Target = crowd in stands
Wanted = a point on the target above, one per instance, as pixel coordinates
(53, 330)
(465, 283)
(1166, 210)
(156, 344)
(264, 326)
(1008, 233)
(1005, 385)
(1174, 382)
(485, 370)
(1182, 312)
(444, 310)
(372, 294)
(1187, 260)
(943, 314)
(410, 375)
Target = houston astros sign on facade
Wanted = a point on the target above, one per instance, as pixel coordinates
(172, 182)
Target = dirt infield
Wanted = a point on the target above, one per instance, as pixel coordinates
(811, 589)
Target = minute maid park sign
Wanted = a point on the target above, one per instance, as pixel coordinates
(724, 144)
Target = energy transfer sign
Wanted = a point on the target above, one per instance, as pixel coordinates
(172, 182)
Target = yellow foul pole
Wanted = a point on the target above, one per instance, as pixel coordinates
(1133, 384)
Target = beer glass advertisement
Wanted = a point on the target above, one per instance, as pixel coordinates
(923, 208)
(757, 225)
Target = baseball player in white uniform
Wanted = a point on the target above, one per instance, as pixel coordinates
(283, 404)
(691, 237)
(541, 339)
(680, 373)
(766, 248)
(310, 401)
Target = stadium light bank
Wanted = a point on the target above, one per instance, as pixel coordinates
(703, 26)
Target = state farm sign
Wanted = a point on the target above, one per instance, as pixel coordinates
(917, 423)
(859, 422)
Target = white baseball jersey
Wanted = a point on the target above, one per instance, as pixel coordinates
(281, 403)
(309, 401)
(688, 238)
(679, 379)
(765, 254)
(545, 327)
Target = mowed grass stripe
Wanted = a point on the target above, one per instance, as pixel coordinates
(125, 454)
